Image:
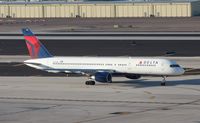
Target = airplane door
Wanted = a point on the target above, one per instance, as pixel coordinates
(129, 66)
(162, 65)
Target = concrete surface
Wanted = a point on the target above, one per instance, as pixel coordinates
(107, 38)
(102, 33)
(68, 100)
(102, 24)
(106, 48)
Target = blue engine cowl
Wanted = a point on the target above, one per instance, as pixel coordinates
(103, 77)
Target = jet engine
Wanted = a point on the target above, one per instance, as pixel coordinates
(133, 76)
(103, 77)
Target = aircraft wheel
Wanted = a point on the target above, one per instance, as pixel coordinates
(87, 82)
(163, 84)
(90, 82)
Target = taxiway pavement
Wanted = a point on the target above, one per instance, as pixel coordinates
(107, 47)
(67, 99)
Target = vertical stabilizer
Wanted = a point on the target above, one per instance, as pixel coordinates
(35, 47)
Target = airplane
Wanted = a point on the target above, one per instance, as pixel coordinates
(98, 69)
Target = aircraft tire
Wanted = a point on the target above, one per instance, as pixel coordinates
(87, 82)
(90, 82)
(163, 84)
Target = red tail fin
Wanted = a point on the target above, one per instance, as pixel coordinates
(35, 48)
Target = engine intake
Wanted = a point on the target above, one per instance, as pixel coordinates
(103, 77)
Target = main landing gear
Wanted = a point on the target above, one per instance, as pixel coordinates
(90, 82)
(163, 83)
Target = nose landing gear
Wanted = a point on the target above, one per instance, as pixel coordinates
(163, 82)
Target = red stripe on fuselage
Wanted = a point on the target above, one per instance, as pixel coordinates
(34, 47)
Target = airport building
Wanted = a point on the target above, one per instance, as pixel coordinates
(96, 9)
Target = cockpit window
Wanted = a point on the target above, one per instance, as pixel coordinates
(174, 65)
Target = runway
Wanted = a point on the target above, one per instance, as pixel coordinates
(104, 33)
(107, 38)
(158, 24)
(107, 43)
(106, 48)
(67, 99)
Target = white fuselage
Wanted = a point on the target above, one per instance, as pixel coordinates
(133, 65)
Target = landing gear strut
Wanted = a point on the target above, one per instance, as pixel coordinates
(163, 83)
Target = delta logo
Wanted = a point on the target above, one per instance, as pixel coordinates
(147, 63)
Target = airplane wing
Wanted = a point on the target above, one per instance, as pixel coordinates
(80, 71)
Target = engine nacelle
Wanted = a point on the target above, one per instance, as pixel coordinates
(103, 77)
(133, 76)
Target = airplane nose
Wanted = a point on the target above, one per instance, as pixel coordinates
(178, 71)
(182, 71)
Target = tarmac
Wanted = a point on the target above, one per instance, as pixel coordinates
(158, 24)
(69, 100)
(107, 48)
(30, 98)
